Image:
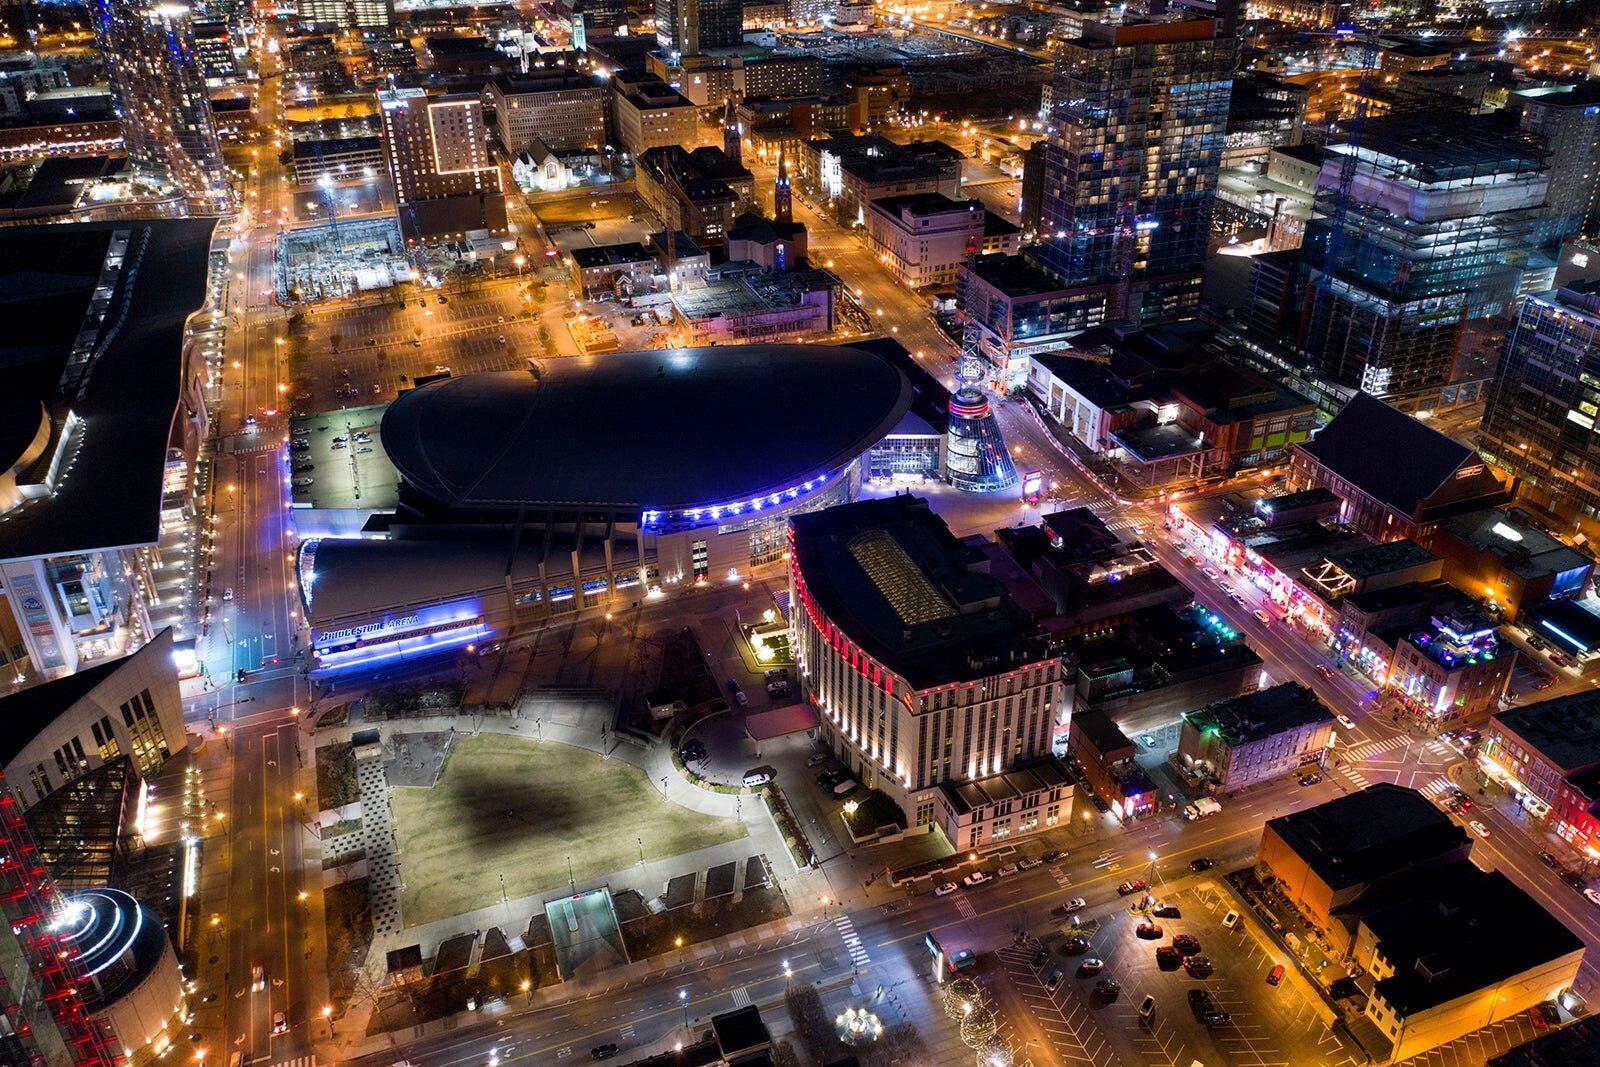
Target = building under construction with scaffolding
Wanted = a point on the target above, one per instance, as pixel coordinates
(1439, 225)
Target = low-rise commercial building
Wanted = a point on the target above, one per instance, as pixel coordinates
(337, 159)
(1451, 951)
(1104, 755)
(845, 174)
(647, 113)
(699, 192)
(1547, 756)
(1027, 798)
(1453, 670)
(562, 108)
(761, 308)
(1144, 672)
(1325, 859)
(923, 238)
(1238, 742)
(925, 672)
(1500, 557)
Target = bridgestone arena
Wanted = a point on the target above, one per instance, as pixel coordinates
(587, 482)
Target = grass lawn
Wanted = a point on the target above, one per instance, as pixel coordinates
(514, 807)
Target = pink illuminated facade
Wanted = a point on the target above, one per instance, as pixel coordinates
(922, 736)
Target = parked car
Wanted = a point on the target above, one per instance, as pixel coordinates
(818, 759)
(1198, 966)
(1075, 945)
(1008, 870)
(1054, 979)
(1149, 931)
(1107, 987)
(1167, 958)
(1028, 863)
(1052, 856)
(975, 879)
(1309, 779)
(1230, 920)
(1038, 959)
(1275, 975)
(945, 890)
(1573, 878)
(1215, 1018)
(1187, 944)
(1091, 965)
(603, 1052)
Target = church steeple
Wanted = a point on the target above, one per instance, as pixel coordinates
(782, 201)
(732, 144)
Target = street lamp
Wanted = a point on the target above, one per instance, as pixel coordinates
(683, 999)
(327, 1017)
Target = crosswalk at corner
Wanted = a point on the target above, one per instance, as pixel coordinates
(852, 941)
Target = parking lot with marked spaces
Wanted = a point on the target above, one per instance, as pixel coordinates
(1085, 1022)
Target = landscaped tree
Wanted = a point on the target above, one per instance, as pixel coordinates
(978, 1027)
(961, 995)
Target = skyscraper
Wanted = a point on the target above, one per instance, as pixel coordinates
(1438, 226)
(1140, 110)
(161, 99)
(1540, 421)
(689, 27)
(437, 149)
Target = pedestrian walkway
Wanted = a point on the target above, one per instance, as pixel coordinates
(298, 1061)
(377, 831)
(1374, 749)
(852, 942)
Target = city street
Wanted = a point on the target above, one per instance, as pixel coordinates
(269, 907)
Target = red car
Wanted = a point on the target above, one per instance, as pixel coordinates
(1136, 885)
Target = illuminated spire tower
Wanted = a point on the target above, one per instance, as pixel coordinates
(161, 99)
(975, 453)
(782, 198)
(732, 143)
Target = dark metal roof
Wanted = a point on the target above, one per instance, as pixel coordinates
(644, 430)
(112, 496)
(1362, 441)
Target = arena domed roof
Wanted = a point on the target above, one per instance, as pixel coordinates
(656, 430)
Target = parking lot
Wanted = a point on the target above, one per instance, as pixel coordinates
(1266, 1024)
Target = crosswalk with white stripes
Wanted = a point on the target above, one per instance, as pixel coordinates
(1373, 749)
(741, 997)
(1060, 875)
(852, 941)
(1435, 788)
(964, 906)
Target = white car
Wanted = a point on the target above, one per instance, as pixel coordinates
(1211, 572)
(1346, 721)
(1593, 896)
(1091, 965)
(1075, 904)
(1008, 870)
(945, 890)
(1478, 828)
(258, 978)
(280, 1023)
(976, 878)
